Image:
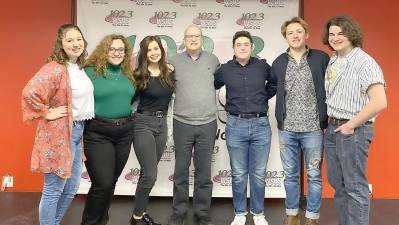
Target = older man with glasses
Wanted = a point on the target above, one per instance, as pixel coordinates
(194, 127)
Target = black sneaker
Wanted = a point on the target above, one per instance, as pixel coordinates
(134, 221)
(149, 220)
(176, 220)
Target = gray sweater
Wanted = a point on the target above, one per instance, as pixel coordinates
(195, 101)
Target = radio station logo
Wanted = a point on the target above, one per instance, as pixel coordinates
(168, 154)
(99, 2)
(251, 20)
(133, 175)
(274, 178)
(119, 18)
(223, 178)
(229, 3)
(85, 176)
(186, 3)
(142, 2)
(163, 19)
(190, 177)
(221, 134)
(208, 20)
(171, 177)
(216, 150)
(274, 3)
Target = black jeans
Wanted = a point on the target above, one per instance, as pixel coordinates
(200, 140)
(107, 147)
(149, 141)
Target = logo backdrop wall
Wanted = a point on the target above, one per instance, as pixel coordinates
(219, 20)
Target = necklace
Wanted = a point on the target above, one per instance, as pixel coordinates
(114, 76)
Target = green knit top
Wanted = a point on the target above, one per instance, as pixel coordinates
(113, 93)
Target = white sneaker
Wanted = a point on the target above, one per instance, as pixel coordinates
(260, 220)
(239, 220)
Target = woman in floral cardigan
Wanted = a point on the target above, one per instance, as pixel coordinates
(60, 98)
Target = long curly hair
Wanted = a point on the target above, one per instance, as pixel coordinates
(99, 57)
(59, 55)
(141, 73)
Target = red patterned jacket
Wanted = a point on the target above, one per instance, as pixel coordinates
(50, 88)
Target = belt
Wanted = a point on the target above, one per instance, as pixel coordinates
(249, 115)
(338, 122)
(158, 114)
(119, 121)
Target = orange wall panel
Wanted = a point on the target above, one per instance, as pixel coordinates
(378, 20)
(28, 32)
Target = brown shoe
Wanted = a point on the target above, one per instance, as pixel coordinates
(311, 221)
(292, 220)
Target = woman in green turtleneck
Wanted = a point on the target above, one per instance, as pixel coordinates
(108, 137)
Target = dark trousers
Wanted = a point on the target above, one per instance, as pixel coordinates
(149, 141)
(200, 140)
(107, 147)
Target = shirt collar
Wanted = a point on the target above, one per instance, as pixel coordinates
(251, 60)
(189, 56)
(348, 57)
(303, 56)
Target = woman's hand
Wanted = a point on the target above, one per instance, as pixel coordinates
(56, 113)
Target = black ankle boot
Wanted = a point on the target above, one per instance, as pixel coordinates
(149, 220)
(134, 221)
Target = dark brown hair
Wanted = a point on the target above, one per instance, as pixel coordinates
(350, 28)
(141, 73)
(242, 33)
(59, 55)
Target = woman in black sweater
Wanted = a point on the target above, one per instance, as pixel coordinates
(155, 84)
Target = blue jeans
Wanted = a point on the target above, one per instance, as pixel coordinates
(312, 145)
(248, 143)
(346, 159)
(58, 193)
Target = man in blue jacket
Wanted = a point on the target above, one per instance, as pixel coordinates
(301, 116)
(249, 86)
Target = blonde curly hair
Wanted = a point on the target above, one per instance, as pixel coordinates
(99, 57)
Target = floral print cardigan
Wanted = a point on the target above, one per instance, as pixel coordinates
(50, 88)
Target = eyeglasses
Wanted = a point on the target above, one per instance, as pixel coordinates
(196, 36)
(246, 44)
(112, 51)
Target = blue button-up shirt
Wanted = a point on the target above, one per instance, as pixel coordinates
(248, 88)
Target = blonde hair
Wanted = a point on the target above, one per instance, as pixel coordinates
(99, 58)
(294, 20)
